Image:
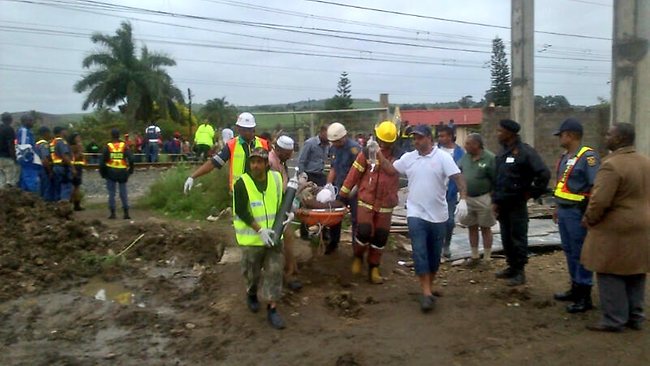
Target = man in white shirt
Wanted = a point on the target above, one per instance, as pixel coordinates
(428, 170)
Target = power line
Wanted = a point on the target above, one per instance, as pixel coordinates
(393, 12)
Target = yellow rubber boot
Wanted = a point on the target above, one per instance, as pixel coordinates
(375, 276)
(357, 266)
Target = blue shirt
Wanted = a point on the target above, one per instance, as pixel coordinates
(582, 176)
(342, 160)
(25, 155)
(452, 189)
(62, 148)
(313, 155)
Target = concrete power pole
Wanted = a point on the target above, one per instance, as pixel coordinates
(631, 68)
(522, 95)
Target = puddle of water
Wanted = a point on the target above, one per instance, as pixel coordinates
(108, 291)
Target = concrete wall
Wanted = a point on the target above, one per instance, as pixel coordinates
(594, 121)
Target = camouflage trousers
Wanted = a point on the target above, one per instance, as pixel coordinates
(265, 264)
(8, 172)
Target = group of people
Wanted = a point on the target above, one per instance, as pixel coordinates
(51, 164)
(447, 185)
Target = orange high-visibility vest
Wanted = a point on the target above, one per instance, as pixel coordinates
(237, 159)
(56, 159)
(562, 189)
(116, 158)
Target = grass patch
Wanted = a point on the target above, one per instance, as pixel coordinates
(210, 193)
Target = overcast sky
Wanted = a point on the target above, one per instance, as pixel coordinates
(42, 44)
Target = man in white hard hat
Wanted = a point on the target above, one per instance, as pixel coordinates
(343, 152)
(278, 157)
(235, 152)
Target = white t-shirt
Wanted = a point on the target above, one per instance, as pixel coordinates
(427, 176)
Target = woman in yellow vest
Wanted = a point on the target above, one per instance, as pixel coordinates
(116, 166)
(257, 196)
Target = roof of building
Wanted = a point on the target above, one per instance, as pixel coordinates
(466, 116)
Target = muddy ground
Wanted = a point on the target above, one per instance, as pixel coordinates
(168, 301)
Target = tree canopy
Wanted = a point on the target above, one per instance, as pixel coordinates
(139, 86)
(499, 93)
(219, 112)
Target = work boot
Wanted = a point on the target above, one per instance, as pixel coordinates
(427, 303)
(253, 303)
(518, 279)
(375, 276)
(112, 216)
(582, 302)
(357, 266)
(509, 272)
(274, 318)
(569, 295)
(126, 214)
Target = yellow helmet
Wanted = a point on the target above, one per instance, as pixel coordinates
(386, 131)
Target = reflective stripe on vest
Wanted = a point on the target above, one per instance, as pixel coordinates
(116, 158)
(79, 161)
(263, 207)
(237, 161)
(562, 189)
(56, 159)
(372, 208)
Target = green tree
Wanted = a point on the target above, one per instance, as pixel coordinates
(342, 99)
(466, 101)
(499, 93)
(552, 102)
(139, 86)
(219, 112)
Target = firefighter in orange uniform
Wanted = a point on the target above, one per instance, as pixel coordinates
(376, 199)
(116, 166)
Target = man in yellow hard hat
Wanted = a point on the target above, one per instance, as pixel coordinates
(376, 199)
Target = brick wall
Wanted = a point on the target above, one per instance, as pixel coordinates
(594, 121)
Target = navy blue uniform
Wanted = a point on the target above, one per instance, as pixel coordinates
(342, 160)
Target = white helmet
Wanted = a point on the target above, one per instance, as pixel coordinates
(336, 131)
(246, 120)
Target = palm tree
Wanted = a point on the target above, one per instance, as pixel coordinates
(140, 85)
(219, 111)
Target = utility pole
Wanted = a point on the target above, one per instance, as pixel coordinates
(631, 68)
(522, 95)
(189, 97)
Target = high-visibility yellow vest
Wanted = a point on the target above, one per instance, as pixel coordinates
(237, 159)
(561, 188)
(116, 158)
(56, 159)
(204, 135)
(263, 207)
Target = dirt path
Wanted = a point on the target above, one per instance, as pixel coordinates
(182, 308)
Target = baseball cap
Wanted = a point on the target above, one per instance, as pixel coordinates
(422, 130)
(569, 124)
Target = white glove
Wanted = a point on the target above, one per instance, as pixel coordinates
(461, 211)
(290, 216)
(267, 237)
(188, 185)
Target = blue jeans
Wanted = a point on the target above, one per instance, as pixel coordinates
(152, 152)
(573, 236)
(28, 180)
(46, 186)
(111, 186)
(62, 183)
(427, 239)
(451, 222)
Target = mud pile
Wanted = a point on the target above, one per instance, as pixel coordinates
(43, 247)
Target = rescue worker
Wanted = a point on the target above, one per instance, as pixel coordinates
(257, 198)
(203, 140)
(152, 137)
(30, 164)
(116, 166)
(446, 143)
(235, 153)
(576, 173)
(278, 156)
(311, 161)
(8, 172)
(78, 163)
(376, 198)
(343, 152)
(520, 175)
(61, 157)
(45, 174)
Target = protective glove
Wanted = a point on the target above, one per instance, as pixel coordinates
(290, 216)
(461, 211)
(267, 237)
(188, 185)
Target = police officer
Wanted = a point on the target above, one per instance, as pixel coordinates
(116, 166)
(30, 164)
(45, 174)
(61, 157)
(520, 175)
(343, 152)
(257, 198)
(152, 137)
(576, 173)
